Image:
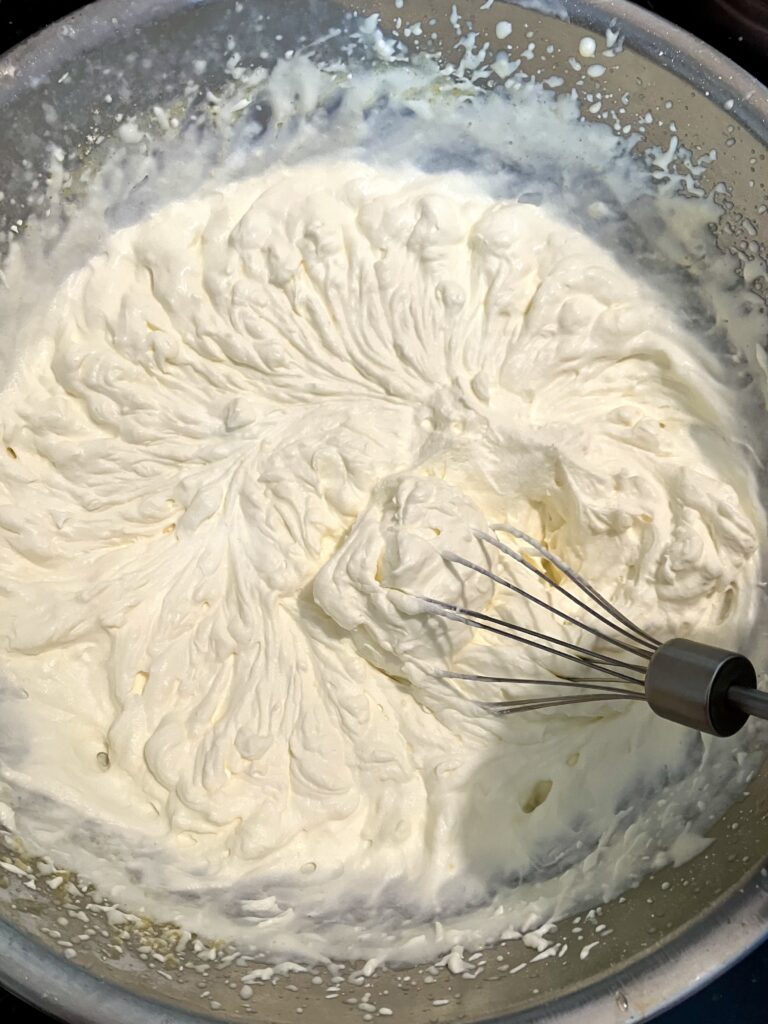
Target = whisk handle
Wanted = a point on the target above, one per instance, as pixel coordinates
(751, 702)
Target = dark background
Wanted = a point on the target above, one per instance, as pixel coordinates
(738, 28)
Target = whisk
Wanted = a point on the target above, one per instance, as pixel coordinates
(706, 688)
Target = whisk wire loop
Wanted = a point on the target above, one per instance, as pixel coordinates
(449, 556)
(532, 638)
(615, 675)
(631, 629)
(707, 688)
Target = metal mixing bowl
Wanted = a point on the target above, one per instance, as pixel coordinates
(664, 940)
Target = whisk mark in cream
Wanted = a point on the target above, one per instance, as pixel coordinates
(250, 430)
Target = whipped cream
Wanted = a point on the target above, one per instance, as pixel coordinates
(247, 434)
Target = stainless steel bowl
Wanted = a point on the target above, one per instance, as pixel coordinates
(664, 941)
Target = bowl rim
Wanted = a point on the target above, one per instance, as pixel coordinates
(651, 982)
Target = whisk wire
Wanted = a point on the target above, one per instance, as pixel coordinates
(579, 684)
(524, 636)
(706, 688)
(631, 629)
(617, 678)
(449, 556)
(502, 707)
(524, 630)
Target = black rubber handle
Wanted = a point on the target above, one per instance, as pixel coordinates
(748, 700)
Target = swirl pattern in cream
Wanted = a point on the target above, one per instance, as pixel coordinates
(248, 432)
